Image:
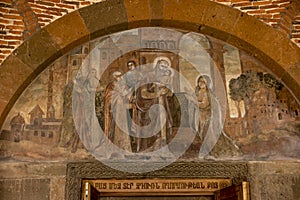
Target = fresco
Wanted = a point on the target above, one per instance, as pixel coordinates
(101, 94)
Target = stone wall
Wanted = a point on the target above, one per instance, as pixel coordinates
(21, 18)
(35, 181)
(274, 180)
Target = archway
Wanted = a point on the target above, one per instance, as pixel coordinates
(34, 55)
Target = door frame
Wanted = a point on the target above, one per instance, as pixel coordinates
(238, 192)
(79, 171)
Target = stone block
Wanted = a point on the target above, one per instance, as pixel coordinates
(24, 189)
(13, 73)
(156, 12)
(183, 15)
(273, 43)
(218, 17)
(274, 167)
(138, 13)
(69, 31)
(294, 71)
(292, 83)
(276, 187)
(3, 104)
(274, 180)
(13, 170)
(105, 18)
(39, 51)
(183, 10)
(57, 189)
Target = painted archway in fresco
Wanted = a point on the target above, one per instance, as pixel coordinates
(261, 116)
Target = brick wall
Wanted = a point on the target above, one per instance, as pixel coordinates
(19, 19)
(283, 15)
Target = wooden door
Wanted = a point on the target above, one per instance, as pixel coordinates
(89, 192)
(234, 192)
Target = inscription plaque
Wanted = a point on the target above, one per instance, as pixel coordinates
(150, 187)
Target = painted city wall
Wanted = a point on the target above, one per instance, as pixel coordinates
(153, 94)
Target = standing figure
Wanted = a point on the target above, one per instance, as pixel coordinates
(132, 78)
(154, 122)
(115, 113)
(108, 115)
(203, 99)
(92, 80)
(79, 113)
(90, 85)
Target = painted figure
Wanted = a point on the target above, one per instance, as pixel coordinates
(132, 78)
(108, 115)
(116, 118)
(203, 101)
(151, 119)
(79, 114)
(90, 85)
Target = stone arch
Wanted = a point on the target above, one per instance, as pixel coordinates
(247, 33)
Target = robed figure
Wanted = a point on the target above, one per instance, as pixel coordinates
(116, 118)
(153, 114)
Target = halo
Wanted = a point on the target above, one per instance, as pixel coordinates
(161, 58)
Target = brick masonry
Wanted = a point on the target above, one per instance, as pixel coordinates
(19, 19)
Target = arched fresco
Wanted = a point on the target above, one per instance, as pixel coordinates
(226, 104)
(35, 54)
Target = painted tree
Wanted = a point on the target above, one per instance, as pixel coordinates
(243, 87)
(99, 108)
(237, 91)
